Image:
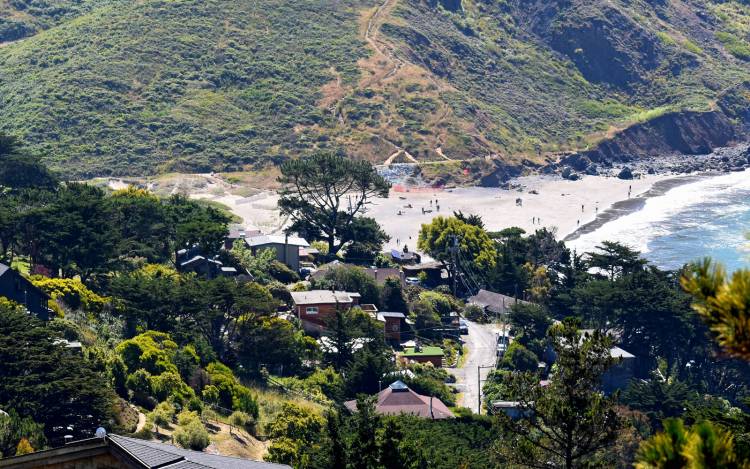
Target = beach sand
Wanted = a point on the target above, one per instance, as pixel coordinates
(557, 204)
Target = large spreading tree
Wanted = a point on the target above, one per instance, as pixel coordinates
(41, 379)
(325, 194)
(568, 423)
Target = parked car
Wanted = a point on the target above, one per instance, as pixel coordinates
(412, 280)
(463, 326)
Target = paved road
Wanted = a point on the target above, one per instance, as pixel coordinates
(481, 345)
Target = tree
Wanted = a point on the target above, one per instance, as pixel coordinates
(325, 192)
(476, 251)
(21, 170)
(392, 296)
(143, 225)
(723, 303)
(568, 422)
(39, 378)
(519, 358)
(364, 445)
(296, 435)
(75, 233)
(367, 240)
(195, 225)
(14, 429)
(352, 279)
(270, 342)
(364, 373)
(615, 259)
(529, 321)
(702, 446)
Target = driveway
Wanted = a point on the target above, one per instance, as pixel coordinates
(481, 345)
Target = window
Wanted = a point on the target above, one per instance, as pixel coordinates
(311, 310)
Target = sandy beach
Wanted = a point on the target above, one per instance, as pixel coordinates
(550, 201)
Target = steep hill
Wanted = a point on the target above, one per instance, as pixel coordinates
(132, 87)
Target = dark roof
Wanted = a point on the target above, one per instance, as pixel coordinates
(152, 455)
(134, 453)
(495, 302)
(390, 314)
(433, 265)
(399, 399)
(404, 256)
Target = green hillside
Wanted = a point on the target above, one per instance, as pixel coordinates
(122, 87)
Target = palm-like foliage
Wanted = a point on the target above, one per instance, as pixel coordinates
(723, 303)
(702, 446)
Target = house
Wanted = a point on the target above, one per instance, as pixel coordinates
(433, 272)
(315, 308)
(398, 399)
(494, 304)
(512, 409)
(619, 375)
(424, 354)
(238, 232)
(191, 260)
(17, 288)
(405, 256)
(392, 324)
(119, 452)
(286, 247)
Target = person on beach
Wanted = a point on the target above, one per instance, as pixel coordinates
(582, 208)
(578, 222)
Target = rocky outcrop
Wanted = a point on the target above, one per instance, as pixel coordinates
(690, 133)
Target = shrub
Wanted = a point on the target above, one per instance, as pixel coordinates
(519, 358)
(162, 415)
(279, 271)
(476, 313)
(24, 447)
(169, 385)
(192, 435)
(242, 420)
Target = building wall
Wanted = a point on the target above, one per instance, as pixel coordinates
(392, 329)
(437, 362)
(16, 288)
(292, 254)
(325, 311)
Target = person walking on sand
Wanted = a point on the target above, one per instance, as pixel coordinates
(582, 208)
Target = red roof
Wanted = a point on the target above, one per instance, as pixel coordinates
(399, 399)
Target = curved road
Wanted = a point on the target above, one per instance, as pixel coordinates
(481, 344)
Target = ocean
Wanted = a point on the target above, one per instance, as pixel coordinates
(681, 221)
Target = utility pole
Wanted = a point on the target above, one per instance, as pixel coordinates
(479, 386)
(454, 261)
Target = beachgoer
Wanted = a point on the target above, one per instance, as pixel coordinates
(578, 222)
(582, 208)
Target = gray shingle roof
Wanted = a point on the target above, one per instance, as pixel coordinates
(153, 455)
(262, 240)
(315, 297)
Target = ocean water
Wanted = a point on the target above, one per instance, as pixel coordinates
(706, 217)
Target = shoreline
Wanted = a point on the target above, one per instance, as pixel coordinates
(626, 207)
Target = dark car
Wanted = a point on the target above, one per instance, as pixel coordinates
(463, 326)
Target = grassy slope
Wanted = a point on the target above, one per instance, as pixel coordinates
(184, 84)
(161, 85)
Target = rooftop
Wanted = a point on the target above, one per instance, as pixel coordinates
(315, 297)
(495, 302)
(133, 453)
(426, 351)
(399, 399)
(263, 240)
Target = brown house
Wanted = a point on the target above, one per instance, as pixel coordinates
(119, 452)
(315, 308)
(392, 323)
(398, 399)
